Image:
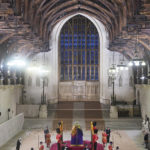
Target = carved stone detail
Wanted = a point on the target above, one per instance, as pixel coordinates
(79, 91)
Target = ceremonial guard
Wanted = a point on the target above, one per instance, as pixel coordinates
(46, 131)
(59, 139)
(48, 139)
(94, 139)
(104, 138)
(41, 146)
(93, 127)
(60, 126)
(110, 147)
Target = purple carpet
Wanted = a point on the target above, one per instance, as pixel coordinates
(99, 146)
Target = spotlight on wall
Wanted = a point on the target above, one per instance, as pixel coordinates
(40, 69)
(16, 61)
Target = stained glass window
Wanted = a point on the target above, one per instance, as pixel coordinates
(79, 50)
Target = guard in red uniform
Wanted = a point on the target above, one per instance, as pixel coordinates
(59, 139)
(48, 139)
(104, 138)
(94, 139)
(110, 147)
(41, 146)
(60, 126)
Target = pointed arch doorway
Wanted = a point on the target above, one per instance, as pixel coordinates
(78, 61)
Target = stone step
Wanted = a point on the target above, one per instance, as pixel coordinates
(118, 124)
(66, 105)
(88, 114)
(88, 111)
(124, 124)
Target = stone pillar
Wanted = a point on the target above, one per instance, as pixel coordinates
(113, 112)
(43, 112)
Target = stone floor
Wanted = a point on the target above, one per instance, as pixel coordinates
(125, 139)
(126, 132)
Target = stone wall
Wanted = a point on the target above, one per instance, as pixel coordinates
(9, 96)
(123, 91)
(29, 111)
(10, 128)
(143, 98)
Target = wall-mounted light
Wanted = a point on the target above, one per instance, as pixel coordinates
(122, 65)
(143, 77)
(136, 61)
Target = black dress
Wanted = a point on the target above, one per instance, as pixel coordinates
(18, 145)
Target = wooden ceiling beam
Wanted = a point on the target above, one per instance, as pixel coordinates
(105, 20)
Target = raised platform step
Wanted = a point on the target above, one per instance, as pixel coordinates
(117, 124)
(66, 105)
(81, 110)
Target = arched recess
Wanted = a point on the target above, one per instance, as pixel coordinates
(78, 60)
(54, 57)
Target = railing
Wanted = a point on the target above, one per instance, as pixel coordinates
(10, 128)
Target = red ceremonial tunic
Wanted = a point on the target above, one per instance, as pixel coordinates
(41, 147)
(104, 137)
(110, 147)
(94, 138)
(48, 140)
(58, 138)
(94, 127)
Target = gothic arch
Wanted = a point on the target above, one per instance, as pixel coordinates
(103, 36)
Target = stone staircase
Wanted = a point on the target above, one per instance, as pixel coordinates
(84, 113)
